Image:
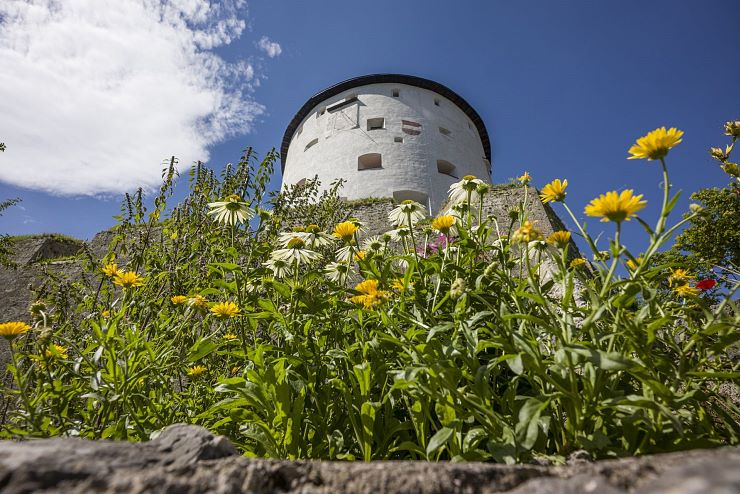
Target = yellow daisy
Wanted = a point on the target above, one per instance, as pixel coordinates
(615, 207)
(196, 370)
(559, 239)
(345, 231)
(554, 191)
(178, 299)
(10, 330)
(230, 337)
(443, 223)
(128, 279)
(56, 351)
(679, 277)
(525, 178)
(225, 310)
(197, 301)
(111, 269)
(655, 144)
(686, 290)
(577, 262)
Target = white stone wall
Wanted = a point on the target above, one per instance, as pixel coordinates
(339, 137)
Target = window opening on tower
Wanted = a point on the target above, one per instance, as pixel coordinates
(369, 161)
(444, 166)
(375, 123)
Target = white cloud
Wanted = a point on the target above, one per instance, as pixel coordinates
(94, 94)
(272, 48)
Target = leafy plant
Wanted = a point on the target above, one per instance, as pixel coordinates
(463, 338)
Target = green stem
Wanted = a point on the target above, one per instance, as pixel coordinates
(615, 258)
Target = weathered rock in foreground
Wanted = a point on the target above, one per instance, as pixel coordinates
(188, 459)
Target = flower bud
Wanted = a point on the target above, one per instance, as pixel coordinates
(731, 169)
(695, 208)
(717, 154)
(458, 289)
(732, 128)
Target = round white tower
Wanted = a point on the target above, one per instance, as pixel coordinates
(387, 135)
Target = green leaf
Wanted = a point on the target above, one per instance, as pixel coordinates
(200, 349)
(438, 440)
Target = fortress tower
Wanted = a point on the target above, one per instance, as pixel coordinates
(387, 135)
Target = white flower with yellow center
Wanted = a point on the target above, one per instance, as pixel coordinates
(346, 253)
(337, 271)
(295, 253)
(408, 213)
(230, 211)
(459, 191)
(399, 234)
(279, 267)
(373, 244)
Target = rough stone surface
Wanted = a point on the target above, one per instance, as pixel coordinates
(189, 459)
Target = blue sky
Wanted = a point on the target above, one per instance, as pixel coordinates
(564, 87)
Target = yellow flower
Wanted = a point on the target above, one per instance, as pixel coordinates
(56, 351)
(686, 290)
(554, 191)
(443, 223)
(229, 337)
(577, 262)
(655, 144)
(178, 299)
(526, 233)
(399, 285)
(367, 286)
(105, 313)
(128, 279)
(198, 301)
(360, 255)
(560, 238)
(225, 309)
(10, 330)
(196, 370)
(616, 207)
(369, 296)
(345, 230)
(679, 277)
(632, 265)
(111, 269)
(525, 179)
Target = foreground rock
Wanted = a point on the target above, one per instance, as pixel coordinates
(188, 459)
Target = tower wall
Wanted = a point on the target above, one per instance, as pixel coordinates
(387, 140)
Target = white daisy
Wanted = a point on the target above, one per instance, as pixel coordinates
(296, 253)
(459, 190)
(373, 244)
(280, 268)
(230, 211)
(407, 210)
(337, 271)
(346, 253)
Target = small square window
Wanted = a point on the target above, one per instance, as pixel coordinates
(396, 93)
(375, 123)
(436, 101)
(398, 139)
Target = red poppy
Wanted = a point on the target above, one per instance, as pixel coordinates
(706, 284)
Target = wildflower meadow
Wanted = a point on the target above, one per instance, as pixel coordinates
(278, 321)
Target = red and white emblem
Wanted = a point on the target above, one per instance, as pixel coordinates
(411, 128)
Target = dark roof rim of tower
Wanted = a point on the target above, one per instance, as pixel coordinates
(365, 80)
